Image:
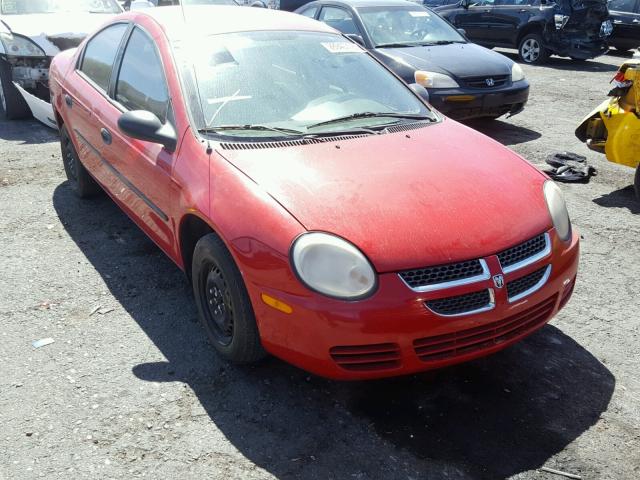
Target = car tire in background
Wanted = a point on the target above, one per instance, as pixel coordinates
(12, 105)
(223, 303)
(531, 49)
(81, 182)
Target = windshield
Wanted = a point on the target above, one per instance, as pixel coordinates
(23, 7)
(407, 25)
(292, 81)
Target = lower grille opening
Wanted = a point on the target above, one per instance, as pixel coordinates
(460, 304)
(381, 356)
(523, 284)
(442, 347)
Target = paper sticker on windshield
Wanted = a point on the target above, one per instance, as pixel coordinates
(419, 14)
(342, 47)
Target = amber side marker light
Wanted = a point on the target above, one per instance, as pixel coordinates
(275, 303)
(460, 98)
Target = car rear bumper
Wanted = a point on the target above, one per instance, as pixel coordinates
(395, 333)
(576, 48)
(465, 103)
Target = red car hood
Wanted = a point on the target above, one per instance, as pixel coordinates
(428, 196)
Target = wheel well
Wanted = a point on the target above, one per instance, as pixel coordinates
(192, 229)
(533, 28)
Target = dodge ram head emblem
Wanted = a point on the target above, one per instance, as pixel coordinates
(498, 281)
(490, 82)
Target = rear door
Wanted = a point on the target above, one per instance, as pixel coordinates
(507, 18)
(626, 23)
(86, 90)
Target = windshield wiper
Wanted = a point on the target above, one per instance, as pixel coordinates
(442, 42)
(372, 115)
(260, 128)
(397, 45)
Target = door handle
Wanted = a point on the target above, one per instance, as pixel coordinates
(68, 100)
(487, 10)
(106, 136)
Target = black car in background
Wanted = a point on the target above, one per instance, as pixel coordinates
(537, 28)
(625, 15)
(464, 80)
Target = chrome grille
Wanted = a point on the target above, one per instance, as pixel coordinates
(523, 286)
(525, 253)
(422, 278)
(462, 304)
(486, 81)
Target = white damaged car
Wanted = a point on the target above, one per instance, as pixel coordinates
(32, 32)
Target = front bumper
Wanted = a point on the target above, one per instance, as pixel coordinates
(393, 332)
(465, 103)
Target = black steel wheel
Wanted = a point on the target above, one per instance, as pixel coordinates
(81, 182)
(224, 307)
(217, 299)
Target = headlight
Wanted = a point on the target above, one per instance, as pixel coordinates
(19, 46)
(560, 20)
(516, 73)
(332, 266)
(557, 210)
(434, 80)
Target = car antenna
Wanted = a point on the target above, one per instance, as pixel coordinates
(195, 78)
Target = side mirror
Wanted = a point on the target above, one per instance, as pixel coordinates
(462, 32)
(354, 37)
(465, 4)
(144, 125)
(420, 91)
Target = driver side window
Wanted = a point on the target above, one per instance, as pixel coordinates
(141, 81)
(339, 19)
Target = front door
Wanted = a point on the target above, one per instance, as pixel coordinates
(144, 169)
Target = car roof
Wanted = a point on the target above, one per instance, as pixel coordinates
(204, 20)
(372, 3)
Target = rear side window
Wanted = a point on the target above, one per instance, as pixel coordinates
(310, 12)
(141, 82)
(100, 53)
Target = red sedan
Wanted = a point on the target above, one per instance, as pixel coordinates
(322, 210)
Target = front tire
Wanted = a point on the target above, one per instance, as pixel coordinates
(223, 303)
(532, 50)
(81, 182)
(12, 105)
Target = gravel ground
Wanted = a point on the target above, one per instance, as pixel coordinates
(135, 391)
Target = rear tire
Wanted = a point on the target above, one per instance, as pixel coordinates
(532, 50)
(223, 303)
(81, 182)
(12, 105)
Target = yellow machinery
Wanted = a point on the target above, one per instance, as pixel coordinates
(613, 128)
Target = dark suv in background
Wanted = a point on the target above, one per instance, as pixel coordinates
(625, 15)
(537, 28)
